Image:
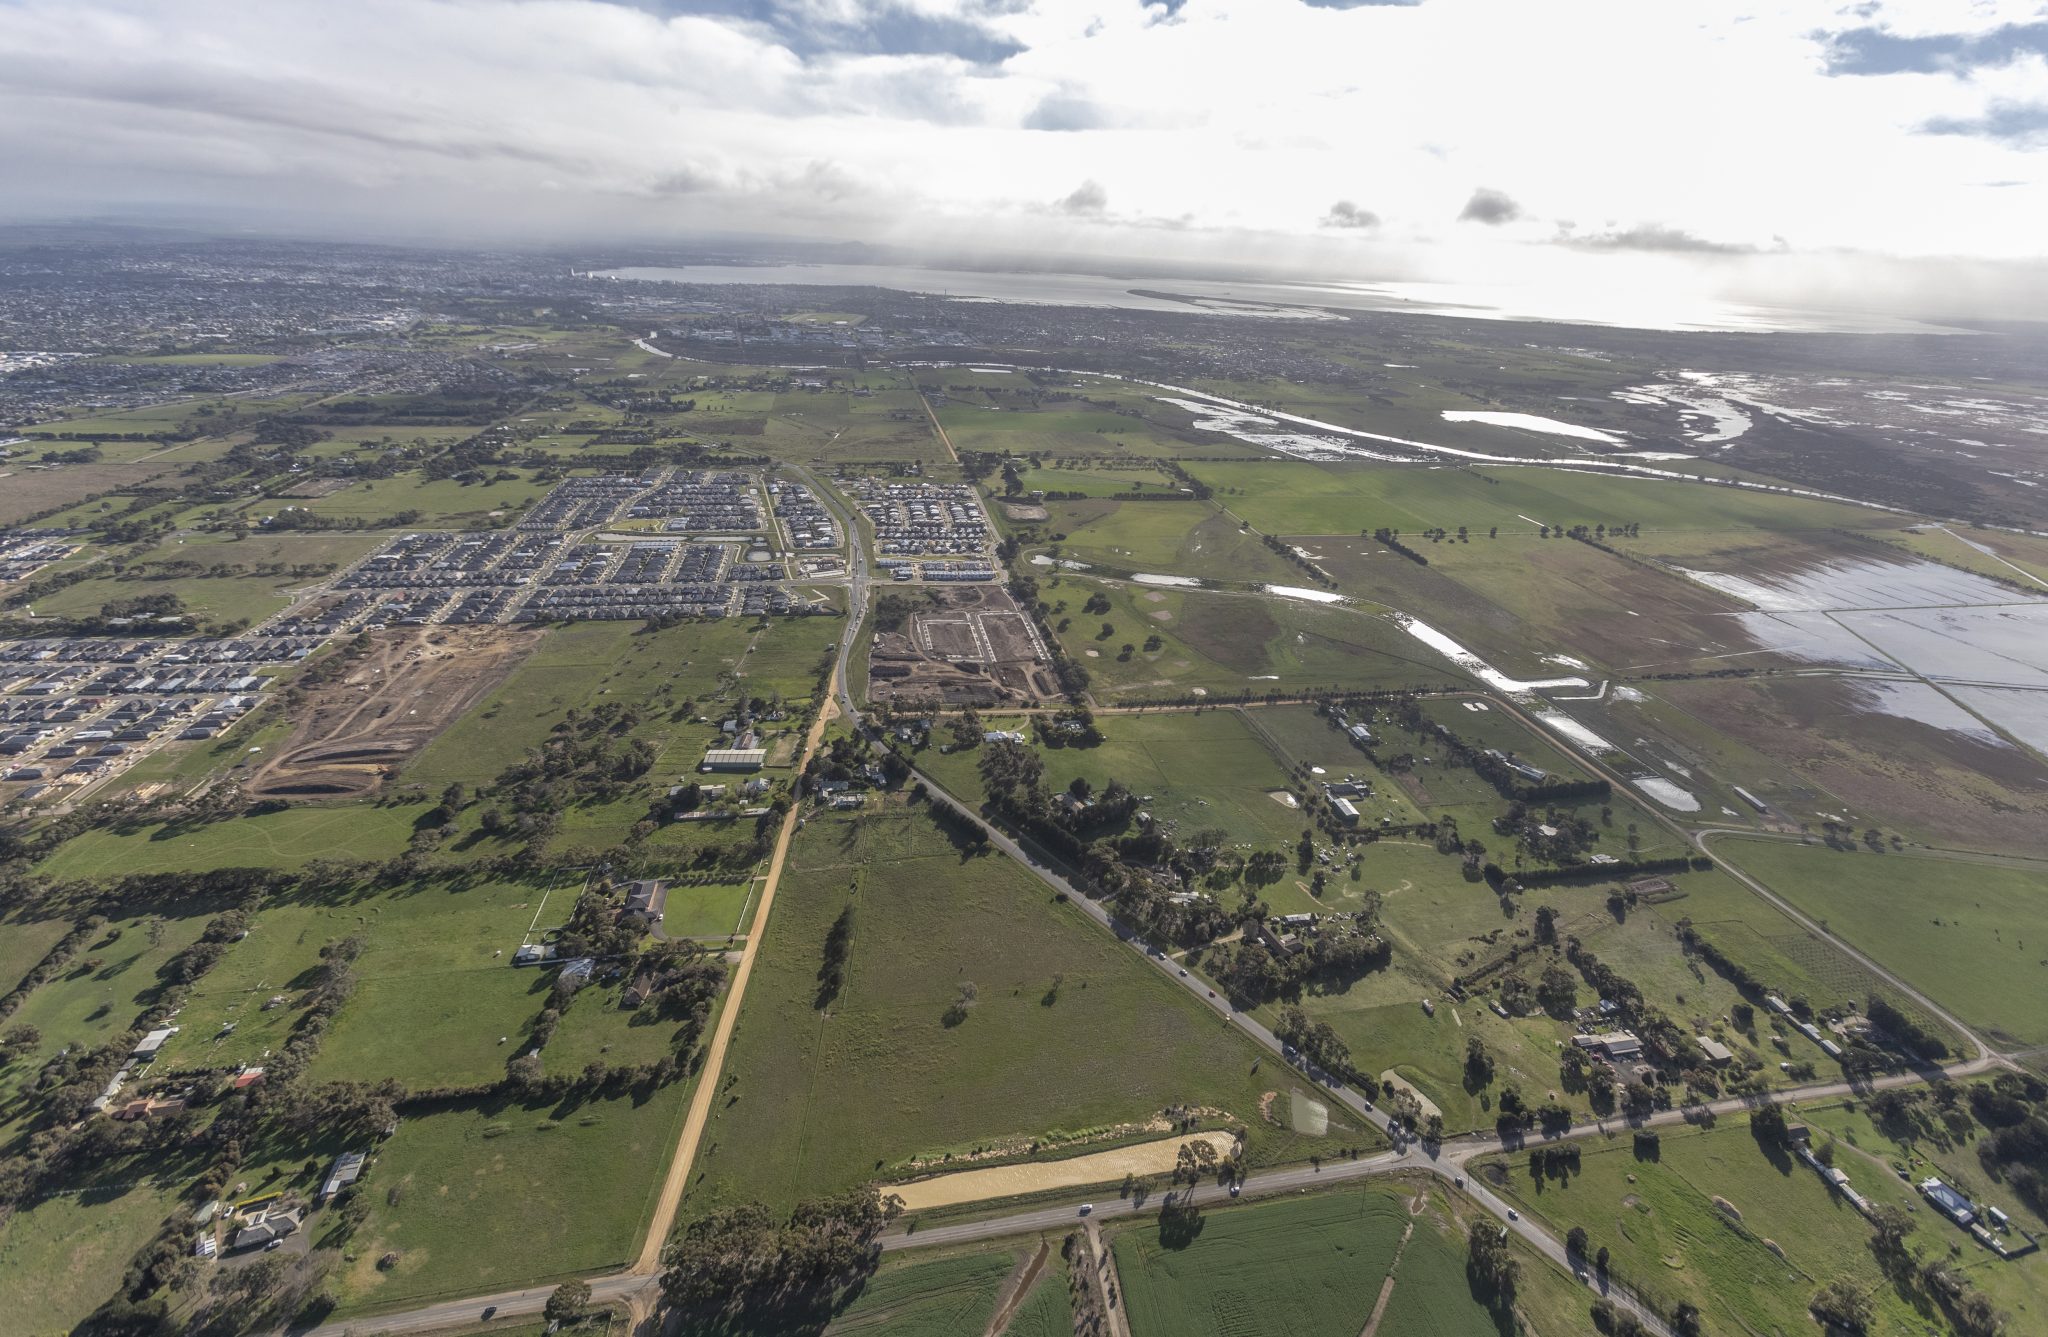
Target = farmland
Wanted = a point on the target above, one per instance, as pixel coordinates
(437, 761)
(1956, 930)
(457, 1193)
(1068, 1032)
(1313, 1266)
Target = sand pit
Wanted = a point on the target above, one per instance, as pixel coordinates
(1005, 1181)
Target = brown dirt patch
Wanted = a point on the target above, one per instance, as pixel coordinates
(1008, 1181)
(357, 731)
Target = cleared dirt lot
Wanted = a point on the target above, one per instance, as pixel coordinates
(967, 646)
(357, 731)
(1005, 1181)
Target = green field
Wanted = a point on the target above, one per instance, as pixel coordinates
(1301, 497)
(1095, 480)
(1217, 643)
(1669, 1240)
(1201, 770)
(1071, 1030)
(286, 839)
(928, 1299)
(504, 1194)
(1311, 1266)
(62, 1257)
(103, 992)
(1187, 538)
(1956, 930)
(441, 502)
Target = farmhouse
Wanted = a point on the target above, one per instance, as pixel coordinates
(149, 1107)
(1948, 1202)
(1718, 1054)
(1615, 1046)
(271, 1225)
(646, 897)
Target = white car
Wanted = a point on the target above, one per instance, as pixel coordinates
(1087, 1207)
(1514, 1215)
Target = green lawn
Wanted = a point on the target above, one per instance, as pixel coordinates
(1958, 931)
(1071, 1030)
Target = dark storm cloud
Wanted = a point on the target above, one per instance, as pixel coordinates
(1491, 207)
(882, 29)
(1656, 237)
(1346, 214)
(1088, 200)
(1876, 51)
(2022, 124)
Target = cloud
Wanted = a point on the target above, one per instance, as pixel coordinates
(961, 123)
(863, 27)
(1088, 200)
(1346, 214)
(1656, 237)
(1872, 50)
(1491, 207)
(2022, 124)
(1361, 4)
(1065, 111)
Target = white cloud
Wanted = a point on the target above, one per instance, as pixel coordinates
(955, 119)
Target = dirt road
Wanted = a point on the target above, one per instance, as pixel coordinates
(685, 1156)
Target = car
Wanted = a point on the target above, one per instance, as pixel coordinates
(1183, 972)
(1212, 993)
(1086, 1208)
(1458, 1181)
(490, 1311)
(274, 1244)
(1236, 1188)
(1514, 1215)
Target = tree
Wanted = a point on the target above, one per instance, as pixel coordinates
(1685, 1320)
(568, 1303)
(1843, 1304)
(1575, 1242)
(1490, 1266)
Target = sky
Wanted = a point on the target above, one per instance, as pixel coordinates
(1878, 145)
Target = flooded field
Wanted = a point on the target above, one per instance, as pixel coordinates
(1854, 582)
